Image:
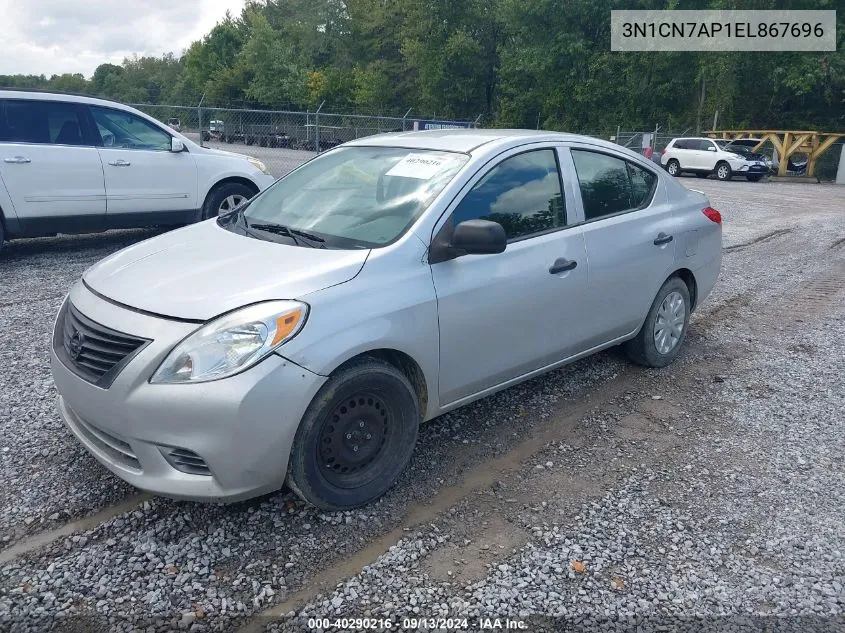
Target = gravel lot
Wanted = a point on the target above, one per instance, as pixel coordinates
(602, 493)
(278, 160)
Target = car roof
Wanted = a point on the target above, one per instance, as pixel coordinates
(467, 140)
(48, 95)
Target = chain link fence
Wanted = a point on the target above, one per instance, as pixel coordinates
(282, 139)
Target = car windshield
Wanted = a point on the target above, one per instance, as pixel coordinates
(352, 197)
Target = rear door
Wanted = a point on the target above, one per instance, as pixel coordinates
(628, 232)
(687, 153)
(50, 167)
(505, 315)
(143, 177)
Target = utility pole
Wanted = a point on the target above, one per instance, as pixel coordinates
(700, 105)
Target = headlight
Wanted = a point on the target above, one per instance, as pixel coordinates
(232, 343)
(259, 165)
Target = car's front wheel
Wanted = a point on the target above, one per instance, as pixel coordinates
(673, 167)
(661, 336)
(356, 437)
(225, 198)
(723, 171)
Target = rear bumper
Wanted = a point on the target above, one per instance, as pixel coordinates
(706, 277)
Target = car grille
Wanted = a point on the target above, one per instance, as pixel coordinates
(186, 461)
(93, 351)
(116, 449)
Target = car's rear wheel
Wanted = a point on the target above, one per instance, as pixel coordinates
(356, 437)
(754, 177)
(673, 167)
(723, 171)
(225, 198)
(660, 339)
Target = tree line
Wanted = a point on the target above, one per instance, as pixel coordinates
(519, 63)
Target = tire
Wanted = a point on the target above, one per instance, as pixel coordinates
(386, 410)
(753, 177)
(223, 198)
(700, 175)
(2, 235)
(723, 171)
(643, 348)
(673, 167)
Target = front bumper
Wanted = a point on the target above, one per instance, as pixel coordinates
(240, 429)
(263, 180)
(746, 167)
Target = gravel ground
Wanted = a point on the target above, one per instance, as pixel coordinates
(47, 477)
(278, 160)
(710, 488)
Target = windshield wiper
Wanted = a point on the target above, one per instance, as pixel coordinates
(294, 234)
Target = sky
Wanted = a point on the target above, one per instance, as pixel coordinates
(75, 36)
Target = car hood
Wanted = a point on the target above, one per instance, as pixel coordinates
(203, 270)
(210, 151)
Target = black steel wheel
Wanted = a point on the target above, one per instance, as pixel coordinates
(356, 437)
(353, 438)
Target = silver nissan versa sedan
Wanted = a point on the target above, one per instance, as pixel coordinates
(306, 335)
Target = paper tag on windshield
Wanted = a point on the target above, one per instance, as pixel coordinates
(421, 166)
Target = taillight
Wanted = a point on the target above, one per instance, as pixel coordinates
(712, 215)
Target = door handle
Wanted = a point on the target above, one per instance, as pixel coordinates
(662, 239)
(17, 160)
(119, 163)
(561, 265)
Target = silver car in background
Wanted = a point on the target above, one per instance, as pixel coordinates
(306, 335)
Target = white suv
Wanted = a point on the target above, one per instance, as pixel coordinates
(704, 156)
(71, 164)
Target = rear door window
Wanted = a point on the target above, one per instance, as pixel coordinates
(611, 185)
(41, 122)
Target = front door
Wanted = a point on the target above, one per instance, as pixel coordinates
(142, 175)
(705, 157)
(50, 167)
(629, 233)
(502, 316)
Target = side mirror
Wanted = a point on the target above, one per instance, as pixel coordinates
(479, 237)
(711, 149)
(176, 145)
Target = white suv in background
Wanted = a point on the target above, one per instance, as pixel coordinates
(72, 164)
(704, 156)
